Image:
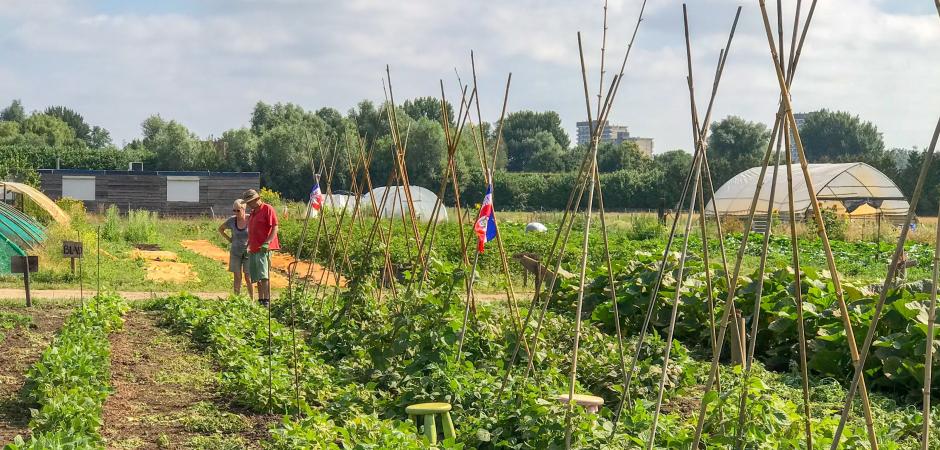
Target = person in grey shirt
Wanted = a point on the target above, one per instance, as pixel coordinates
(237, 227)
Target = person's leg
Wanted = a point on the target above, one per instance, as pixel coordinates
(237, 283)
(264, 289)
(248, 285)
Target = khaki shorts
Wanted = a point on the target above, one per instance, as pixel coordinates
(238, 262)
(259, 265)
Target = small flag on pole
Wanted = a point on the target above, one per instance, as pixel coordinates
(316, 197)
(485, 226)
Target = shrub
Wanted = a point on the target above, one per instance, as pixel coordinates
(141, 226)
(74, 208)
(270, 197)
(111, 229)
(644, 227)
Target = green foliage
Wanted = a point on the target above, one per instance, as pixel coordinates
(72, 379)
(14, 113)
(835, 223)
(897, 362)
(73, 119)
(734, 146)
(270, 197)
(838, 136)
(141, 226)
(627, 155)
(49, 130)
(111, 230)
(527, 133)
(10, 320)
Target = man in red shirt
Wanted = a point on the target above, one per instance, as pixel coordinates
(262, 239)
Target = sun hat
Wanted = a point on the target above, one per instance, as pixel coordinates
(250, 195)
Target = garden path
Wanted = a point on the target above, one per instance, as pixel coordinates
(165, 394)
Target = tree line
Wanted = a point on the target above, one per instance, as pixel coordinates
(288, 145)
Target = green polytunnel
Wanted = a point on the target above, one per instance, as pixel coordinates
(18, 235)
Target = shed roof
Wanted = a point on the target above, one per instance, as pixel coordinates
(171, 173)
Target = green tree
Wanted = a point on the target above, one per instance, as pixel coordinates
(673, 167)
(99, 137)
(734, 146)
(840, 137)
(547, 155)
(927, 206)
(74, 120)
(173, 145)
(522, 125)
(371, 122)
(265, 117)
(241, 150)
(428, 107)
(51, 130)
(14, 112)
(626, 155)
(9, 131)
(285, 158)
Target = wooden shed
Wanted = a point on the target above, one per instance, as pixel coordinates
(168, 193)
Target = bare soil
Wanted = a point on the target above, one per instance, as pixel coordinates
(22, 347)
(165, 395)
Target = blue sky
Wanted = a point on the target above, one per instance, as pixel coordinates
(205, 63)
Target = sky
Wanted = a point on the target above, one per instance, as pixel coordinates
(205, 63)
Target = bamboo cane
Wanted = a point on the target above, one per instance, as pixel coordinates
(675, 303)
(858, 379)
(732, 285)
(758, 294)
(563, 230)
(488, 175)
(466, 312)
(928, 356)
(577, 317)
(699, 154)
(785, 95)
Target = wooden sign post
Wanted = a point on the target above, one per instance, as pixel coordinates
(25, 265)
(72, 250)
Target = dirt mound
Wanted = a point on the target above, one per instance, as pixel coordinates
(154, 255)
(209, 250)
(171, 272)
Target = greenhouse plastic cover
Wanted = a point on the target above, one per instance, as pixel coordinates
(396, 202)
(18, 233)
(837, 186)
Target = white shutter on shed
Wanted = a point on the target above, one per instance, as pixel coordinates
(182, 189)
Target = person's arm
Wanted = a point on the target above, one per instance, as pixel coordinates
(267, 240)
(222, 229)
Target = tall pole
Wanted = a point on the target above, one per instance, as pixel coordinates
(931, 317)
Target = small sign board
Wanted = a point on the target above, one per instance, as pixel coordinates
(18, 264)
(71, 249)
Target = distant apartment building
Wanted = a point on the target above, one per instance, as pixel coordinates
(615, 134)
(800, 120)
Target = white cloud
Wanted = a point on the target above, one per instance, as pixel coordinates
(207, 65)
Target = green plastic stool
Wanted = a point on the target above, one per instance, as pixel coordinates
(428, 411)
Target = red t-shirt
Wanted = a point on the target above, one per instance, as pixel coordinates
(260, 223)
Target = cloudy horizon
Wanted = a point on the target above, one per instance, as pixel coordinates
(206, 63)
